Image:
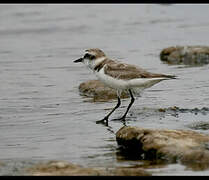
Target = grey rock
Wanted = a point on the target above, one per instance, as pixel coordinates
(188, 55)
(170, 145)
(98, 91)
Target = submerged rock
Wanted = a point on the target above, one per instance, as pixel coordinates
(1, 164)
(175, 109)
(61, 168)
(188, 55)
(170, 145)
(199, 125)
(99, 92)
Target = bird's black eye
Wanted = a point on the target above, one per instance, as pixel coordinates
(89, 56)
(92, 57)
(86, 56)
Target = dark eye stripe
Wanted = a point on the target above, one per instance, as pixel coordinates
(86, 55)
(89, 56)
(92, 57)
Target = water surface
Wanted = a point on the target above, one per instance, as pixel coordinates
(43, 116)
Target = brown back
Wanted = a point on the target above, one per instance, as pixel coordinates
(125, 71)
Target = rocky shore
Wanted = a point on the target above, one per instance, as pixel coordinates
(187, 147)
(173, 146)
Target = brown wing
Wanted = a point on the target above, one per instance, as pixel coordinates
(127, 71)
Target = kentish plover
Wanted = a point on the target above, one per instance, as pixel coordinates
(120, 76)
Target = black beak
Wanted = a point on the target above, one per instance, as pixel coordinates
(78, 60)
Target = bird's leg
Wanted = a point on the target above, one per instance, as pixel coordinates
(106, 117)
(129, 106)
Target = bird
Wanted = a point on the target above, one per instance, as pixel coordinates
(120, 76)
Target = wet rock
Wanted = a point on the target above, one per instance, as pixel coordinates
(61, 168)
(98, 91)
(188, 55)
(171, 145)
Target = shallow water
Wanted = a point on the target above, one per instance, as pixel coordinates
(43, 116)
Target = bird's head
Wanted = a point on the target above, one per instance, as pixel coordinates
(92, 57)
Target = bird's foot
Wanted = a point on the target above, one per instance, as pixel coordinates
(103, 121)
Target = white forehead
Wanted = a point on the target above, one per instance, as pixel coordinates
(90, 52)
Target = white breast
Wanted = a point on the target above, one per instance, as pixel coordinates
(110, 81)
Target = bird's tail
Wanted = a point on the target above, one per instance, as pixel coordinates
(170, 76)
